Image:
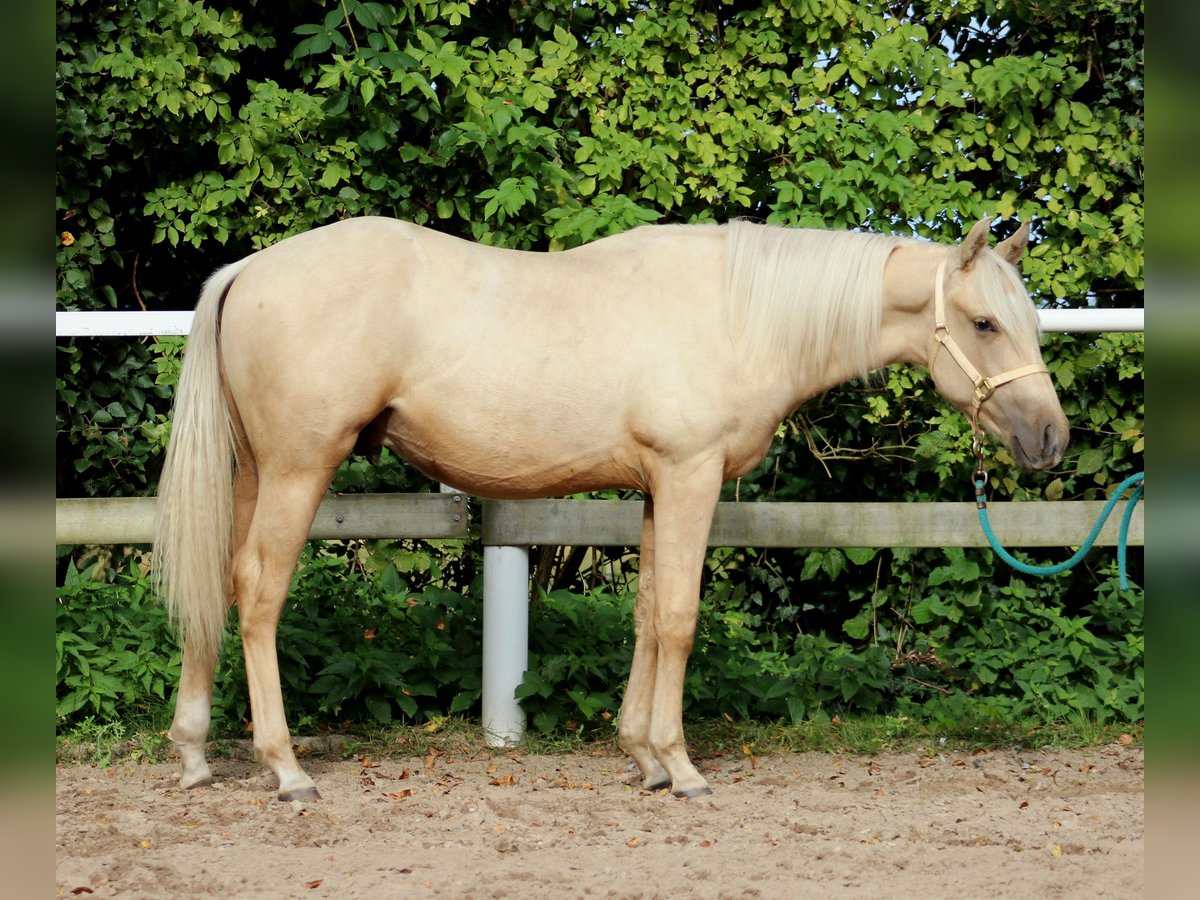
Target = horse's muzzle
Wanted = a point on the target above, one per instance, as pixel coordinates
(1042, 448)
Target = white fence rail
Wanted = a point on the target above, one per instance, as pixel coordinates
(142, 324)
(511, 527)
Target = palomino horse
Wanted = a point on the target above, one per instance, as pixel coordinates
(662, 359)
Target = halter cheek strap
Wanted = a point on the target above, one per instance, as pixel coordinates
(984, 386)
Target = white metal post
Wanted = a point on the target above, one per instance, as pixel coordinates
(505, 641)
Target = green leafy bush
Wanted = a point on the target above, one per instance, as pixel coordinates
(114, 654)
(357, 647)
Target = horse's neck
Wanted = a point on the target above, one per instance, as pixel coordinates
(908, 317)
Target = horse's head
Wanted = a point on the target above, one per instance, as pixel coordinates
(984, 355)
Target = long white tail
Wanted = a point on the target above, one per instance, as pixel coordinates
(194, 527)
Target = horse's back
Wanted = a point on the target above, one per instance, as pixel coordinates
(427, 296)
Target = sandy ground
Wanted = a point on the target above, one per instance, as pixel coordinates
(986, 824)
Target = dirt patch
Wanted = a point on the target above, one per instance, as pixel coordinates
(984, 824)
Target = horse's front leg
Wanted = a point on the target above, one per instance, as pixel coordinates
(634, 731)
(683, 511)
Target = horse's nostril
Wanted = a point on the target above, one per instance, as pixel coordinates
(1053, 443)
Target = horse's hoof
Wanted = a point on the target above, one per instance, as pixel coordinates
(308, 793)
(702, 791)
(657, 786)
(207, 781)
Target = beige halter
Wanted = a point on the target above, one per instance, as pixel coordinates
(984, 386)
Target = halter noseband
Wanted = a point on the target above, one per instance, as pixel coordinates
(984, 386)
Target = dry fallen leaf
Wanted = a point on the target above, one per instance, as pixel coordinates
(1125, 740)
(313, 884)
(503, 781)
(400, 795)
(633, 842)
(1023, 804)
(82, 890)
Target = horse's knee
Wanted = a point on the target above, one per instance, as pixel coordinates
(675, 631)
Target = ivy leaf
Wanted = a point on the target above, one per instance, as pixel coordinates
(1090, 461)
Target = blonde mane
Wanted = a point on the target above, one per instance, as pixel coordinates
(801, 295)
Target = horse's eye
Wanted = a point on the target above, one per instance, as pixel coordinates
(985, 326)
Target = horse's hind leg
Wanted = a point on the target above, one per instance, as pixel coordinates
(193, 709)
(262, 571)
(193, 701)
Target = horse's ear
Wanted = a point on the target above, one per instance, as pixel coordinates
(1013, 248)
(974, 243)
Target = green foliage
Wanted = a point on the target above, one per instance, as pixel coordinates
(1008, 649)
(360, 647)
(114, 657)
(580, 647)
(357, 646)
(189, 135)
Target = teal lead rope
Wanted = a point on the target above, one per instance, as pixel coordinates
(1122, 534)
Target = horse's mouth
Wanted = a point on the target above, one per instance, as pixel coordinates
(1035, 462)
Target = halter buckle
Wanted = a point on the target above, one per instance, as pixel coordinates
(984, 388)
